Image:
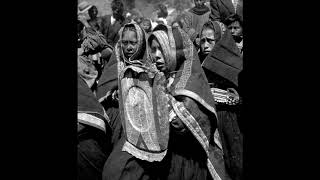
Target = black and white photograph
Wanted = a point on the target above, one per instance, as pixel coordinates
(158, 90)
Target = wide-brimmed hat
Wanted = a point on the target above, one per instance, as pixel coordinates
(84, 6)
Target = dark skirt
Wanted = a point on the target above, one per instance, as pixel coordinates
(124, 166)
(94, 147)
(232, 141)
(116, 125)
(188, 160)
(113, 112)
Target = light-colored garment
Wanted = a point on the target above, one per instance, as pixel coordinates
(163, 20)
(235, 4)
(154, 23)
(240, 45)
(112, 20)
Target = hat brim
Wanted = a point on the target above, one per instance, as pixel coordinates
(85, 9)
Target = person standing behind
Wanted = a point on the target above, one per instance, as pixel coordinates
(162, 14)
(94, 21)
(83, 8)
(234, 25)
(111, 24)
(222, 9)
(146, 26)
(193, 20)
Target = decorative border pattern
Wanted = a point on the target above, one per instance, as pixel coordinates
(92, 121)
(173, 62)
(188, 53)
(197, 98)
(196, 130)
(143, 155)
(164, 42)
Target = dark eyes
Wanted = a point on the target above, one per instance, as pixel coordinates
(211, 41)
(234, 28)
(208, 40)
(129, 42)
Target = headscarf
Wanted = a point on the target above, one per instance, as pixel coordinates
(190, 81)
(90, 111)
(182, 59)
(218, 29)
(109, 77)
(225, 58)
(142, 101)
(140, 54)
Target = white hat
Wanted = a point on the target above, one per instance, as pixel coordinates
(84, 6)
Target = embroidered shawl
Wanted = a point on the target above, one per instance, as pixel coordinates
(142, 102)
(189, 80)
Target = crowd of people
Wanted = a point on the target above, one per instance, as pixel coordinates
(158, 98)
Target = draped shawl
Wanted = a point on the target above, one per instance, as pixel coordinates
(190, 80)
(90, 111)
(142, 100)
(225, 58)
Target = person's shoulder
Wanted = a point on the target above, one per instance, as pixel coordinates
(105, 17)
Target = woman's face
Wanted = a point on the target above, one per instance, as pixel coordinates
(207, 41)
(129, 43)
(157, 55)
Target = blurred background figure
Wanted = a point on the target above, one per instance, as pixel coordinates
(112, 23)
(94, 21)
(80, 27)
(162, 14)
(82, 22)
(193, 20)
(83, 8)
(146, 25)
(222, 9)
